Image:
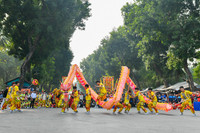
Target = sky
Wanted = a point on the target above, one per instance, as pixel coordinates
(106, 15)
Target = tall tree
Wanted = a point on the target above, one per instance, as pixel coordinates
(9, 67)
(116, 51)
(40, 26)
(150, 20)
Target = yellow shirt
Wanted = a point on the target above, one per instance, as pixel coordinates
(88, 95)
(40, 96)
(14, 92)
(153, 97)
(9, 92)
(186, 95)
(127, 98)
(76, 96)
(49, 97)
(140, 97)
(102, 89)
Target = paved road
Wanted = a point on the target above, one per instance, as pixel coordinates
(99, 121)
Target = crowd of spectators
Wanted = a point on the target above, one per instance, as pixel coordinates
(172, 97)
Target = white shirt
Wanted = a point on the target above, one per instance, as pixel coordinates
(33, 95)
(44, 97)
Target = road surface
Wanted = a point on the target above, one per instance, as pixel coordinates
(98, 121)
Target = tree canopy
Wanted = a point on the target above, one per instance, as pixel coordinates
(37, 28)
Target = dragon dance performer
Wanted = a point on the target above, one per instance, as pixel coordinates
(49, 103)
(127, 97)
(88, 98)
(44, 98)
(103, 91)
(57, 93)
(63, 102)
(8, 97)
(75, 96)
(141, 101)
(120, 106)
(40, 100)
(153, 102)
(185, 96)
(15, 98)
(18, 101)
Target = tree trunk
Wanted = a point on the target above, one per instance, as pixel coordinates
(166, 84)
(190, 78)
(29, 72)
(32, 48)
(159, 72)
(24, 68)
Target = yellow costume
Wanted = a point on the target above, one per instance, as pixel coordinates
(186, 101)
(13, 96)
(57, 93)
(88, 99)
(141, 102)
(153, 102)
(62, 103)
(75, 102)
(120, 106)
(8, 98)
(18, 102)
(103, 93)
(126, 101)
(40, 100)
(48, 104)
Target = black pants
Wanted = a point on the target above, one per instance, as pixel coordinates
(32, 103)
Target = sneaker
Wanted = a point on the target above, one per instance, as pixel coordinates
(146, 113)
(62, 113)
(194, 115)
(125, 112)
(119, 113)
(157, 113)
(181, 114)
(75, 112)
(138, 112)
(128, 113)
(114, 113)
(19, 110)
(88, 112)
(11, 111)
(151, 112)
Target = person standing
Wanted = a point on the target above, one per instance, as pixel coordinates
(8, 96)
(75, 96)
(4, 96)
(153, 102)
(141, 101)
(33, 97)
(14, 95)
(44, 98)
(127, 97)
(103, 91)
(88, 98)
(186, 100)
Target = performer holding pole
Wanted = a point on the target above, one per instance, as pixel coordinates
(186, 100)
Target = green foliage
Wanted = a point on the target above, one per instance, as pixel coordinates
(50, 71)
(40, 28)
(9, 67)
(196, 73)
(116, 51)
(146, 20)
